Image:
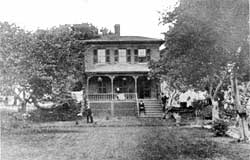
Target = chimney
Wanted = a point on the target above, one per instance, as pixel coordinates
(117, 29)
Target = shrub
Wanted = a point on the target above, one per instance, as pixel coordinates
(66, 112)
(220, 127)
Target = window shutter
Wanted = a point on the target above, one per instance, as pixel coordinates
(136, 55)
(95, 59)
(148, 54)
(128, 55)
(116, 56)
(107, 56)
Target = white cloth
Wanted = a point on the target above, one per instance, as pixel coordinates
(78, 96)
(201, 95)
(121, 96)
(183, 97)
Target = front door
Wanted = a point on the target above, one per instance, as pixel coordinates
(144, 89)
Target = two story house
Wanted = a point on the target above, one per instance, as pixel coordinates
(117, 73)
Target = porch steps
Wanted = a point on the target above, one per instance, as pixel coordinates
(153, 108)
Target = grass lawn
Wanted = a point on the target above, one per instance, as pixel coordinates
(119, 142)
(102, 143)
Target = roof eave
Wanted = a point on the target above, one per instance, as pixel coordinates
(123, 42)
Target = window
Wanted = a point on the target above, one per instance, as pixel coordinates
(122, 55)
(107, 56)
(142, 55)
(101, 56)
(102, 87)
(128, 55)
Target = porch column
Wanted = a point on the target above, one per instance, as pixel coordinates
(87, 87)
(112, 92)
(135, 78)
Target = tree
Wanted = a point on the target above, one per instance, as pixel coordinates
(44, 62)
(202, 41)
(15, 47)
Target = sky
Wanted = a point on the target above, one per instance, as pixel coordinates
(136, 17)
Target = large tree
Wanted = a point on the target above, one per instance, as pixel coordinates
(44, 62)
(202, 42)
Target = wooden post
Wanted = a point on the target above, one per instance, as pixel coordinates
(112, 92)
(137, 105)
(135, 77)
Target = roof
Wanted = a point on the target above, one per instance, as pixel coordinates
(121, 68)
(124, 39)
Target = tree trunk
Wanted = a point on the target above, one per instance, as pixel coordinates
(242, 119)
(215, 110)
(215, 105)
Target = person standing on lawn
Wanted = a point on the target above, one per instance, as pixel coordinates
(163, 102)
(88, 112)
(80, 114)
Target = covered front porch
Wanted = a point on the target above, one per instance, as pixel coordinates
(121, 87)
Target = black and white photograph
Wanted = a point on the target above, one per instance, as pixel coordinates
(124, 80)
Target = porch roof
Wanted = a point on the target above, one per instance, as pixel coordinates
(121, 68)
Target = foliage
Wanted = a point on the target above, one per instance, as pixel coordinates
(220, 127)
(46, 62)
(63, 112)
(202, 41)
(16, 66)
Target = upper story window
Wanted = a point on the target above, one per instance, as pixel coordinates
(142, 55)
(101, 56)
(122, 55)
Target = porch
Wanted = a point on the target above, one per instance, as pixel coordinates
(119, 94)
(121, 87)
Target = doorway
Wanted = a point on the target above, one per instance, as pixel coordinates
(144, 88)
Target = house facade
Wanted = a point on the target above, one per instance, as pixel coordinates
(117, 73)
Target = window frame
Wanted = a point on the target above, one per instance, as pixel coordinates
(142, 59)
(122, 57)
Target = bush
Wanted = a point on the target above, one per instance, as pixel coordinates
(220, 127)
(66, 112)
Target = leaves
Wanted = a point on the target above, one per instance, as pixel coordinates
(202, 41)
(44, 60)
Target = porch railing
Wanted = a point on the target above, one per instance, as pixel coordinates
(110, 96)
(100, 97)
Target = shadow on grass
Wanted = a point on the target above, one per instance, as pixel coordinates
(178, 144)
(41, 131)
